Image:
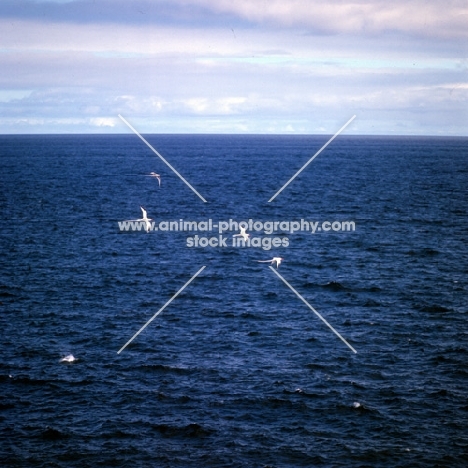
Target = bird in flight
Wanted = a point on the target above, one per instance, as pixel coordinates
(145, 219)
(278, 261)
(157, 176)
(242, 234)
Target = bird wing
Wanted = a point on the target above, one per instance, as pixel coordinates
(144, 212)
(264, 261)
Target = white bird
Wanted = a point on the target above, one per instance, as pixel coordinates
(145, 219)
(157, 176)
(242, 234)
(68, 358)
(278, 261)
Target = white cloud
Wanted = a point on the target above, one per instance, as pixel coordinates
(9, 95)
(425, 17)
(223, 106)
(197, 105)
(103, 121)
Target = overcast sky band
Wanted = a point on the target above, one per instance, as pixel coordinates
(160, 156)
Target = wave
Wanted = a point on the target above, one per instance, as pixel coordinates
(165, 368)
(334, 286)
(192, 430)
(49, 433)
(432, 308)
(425, 252)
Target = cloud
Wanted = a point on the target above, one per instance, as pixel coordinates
(103, 122)
(426, 18)
(222, 106)
(249, 66)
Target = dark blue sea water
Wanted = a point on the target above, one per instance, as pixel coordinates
(236, 371)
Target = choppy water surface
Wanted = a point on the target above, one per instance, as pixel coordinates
(236, 371)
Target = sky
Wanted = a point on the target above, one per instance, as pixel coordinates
(234, 66)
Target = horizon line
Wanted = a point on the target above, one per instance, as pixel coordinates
(238, 134)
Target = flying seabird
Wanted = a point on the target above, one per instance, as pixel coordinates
(272, 261)
(145, 219)
(157, 176)
(242, 234)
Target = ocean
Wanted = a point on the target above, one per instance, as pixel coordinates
(237, 370)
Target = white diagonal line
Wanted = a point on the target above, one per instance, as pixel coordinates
(313, 310)
(312, 158)
(162, 158)
(161, 309)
